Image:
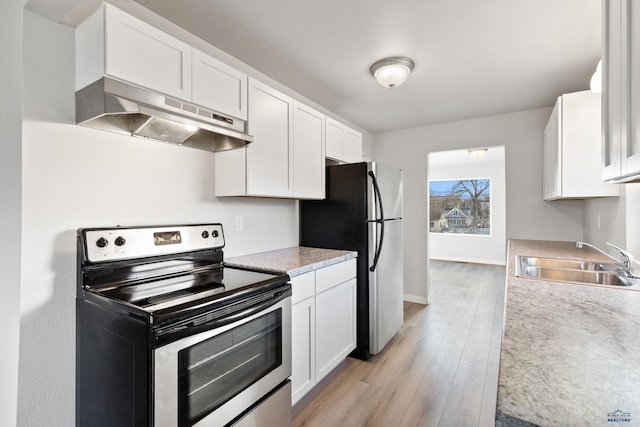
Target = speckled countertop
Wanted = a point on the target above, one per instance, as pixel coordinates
(570, 353)
(293, 261)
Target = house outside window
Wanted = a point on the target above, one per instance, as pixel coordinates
(460, 206)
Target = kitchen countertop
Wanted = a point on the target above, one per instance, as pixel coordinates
(570, 352)
(293, 261)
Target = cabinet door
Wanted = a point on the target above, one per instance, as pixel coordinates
(303, 375)
(352, 146)
(269, 159)
(308, 152)
(552, 155)
(335, 326)
(334, 135)
(631, 150)
(613, 132)
(141, 54)
(343, 143)
(218, 86)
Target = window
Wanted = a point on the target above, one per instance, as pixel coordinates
(460, 206)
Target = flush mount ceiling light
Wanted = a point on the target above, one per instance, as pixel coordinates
(478, 152)
(392, 72)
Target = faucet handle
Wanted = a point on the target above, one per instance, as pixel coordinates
(626, 256)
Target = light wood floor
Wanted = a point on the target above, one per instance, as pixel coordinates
(441, 369)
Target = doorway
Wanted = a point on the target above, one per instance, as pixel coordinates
(466, 206)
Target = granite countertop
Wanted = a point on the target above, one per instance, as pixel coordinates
(293, 261)
(570, 352)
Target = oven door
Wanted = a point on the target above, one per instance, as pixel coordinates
(211, 378)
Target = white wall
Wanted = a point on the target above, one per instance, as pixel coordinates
(618, 220)
(632, 209)
(75, 176)
(611, 211)
(10, 205)
(489, 249)
(528, 216)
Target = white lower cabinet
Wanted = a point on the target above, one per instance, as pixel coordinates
(303, 335)
(335, 326)
(323, 323)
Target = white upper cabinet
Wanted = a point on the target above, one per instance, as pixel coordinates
(334, 133)
(352, 145)
(113, 43)
(116, 44)
(308, 152)
(269, 157)
(551, 155)
(343, 143)
(621, 91)
(219, 86)
(286, 158)
(572, 149)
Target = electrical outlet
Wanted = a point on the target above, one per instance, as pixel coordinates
(239, 223)
(598, 221)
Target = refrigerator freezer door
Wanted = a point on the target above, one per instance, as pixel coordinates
(390, 185)
(386, 286)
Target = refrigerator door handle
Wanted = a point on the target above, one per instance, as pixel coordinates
(378, 196)
(378, 246)
(380, 221)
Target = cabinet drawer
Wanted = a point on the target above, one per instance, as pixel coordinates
(303, 287)
(335, 274)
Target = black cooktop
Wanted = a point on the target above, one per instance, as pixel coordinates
(157, 294)
(163, 274)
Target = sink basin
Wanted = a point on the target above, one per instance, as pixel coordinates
(567, 270)
(580, 276)
(525, 261)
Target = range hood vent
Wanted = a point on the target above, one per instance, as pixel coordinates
(119, 107)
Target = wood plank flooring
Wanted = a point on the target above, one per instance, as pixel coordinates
(441, 369)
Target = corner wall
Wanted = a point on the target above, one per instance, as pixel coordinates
(10, 194)
(528, 216)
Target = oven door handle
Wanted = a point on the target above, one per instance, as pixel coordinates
(194, 327)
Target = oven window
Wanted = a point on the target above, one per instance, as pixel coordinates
(214, 371)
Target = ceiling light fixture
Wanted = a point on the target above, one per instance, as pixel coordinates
(392, 72)
(478, 153)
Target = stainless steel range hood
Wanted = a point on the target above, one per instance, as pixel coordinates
(119, 107)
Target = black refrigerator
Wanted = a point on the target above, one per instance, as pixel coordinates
(363, 212)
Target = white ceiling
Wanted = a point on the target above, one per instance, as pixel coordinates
(473, 57)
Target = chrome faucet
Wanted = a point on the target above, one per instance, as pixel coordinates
(626, 257)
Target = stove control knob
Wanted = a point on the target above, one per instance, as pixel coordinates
(205, 234)
(119, 241)
(102, 242)
(215, 233)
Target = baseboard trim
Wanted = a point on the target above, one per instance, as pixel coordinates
(417, 299)
(470, 260)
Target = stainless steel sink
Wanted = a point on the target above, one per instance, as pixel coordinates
(525, 261)
(573, 271)
(580, 276)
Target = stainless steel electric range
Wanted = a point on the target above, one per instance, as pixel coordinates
(169, 336)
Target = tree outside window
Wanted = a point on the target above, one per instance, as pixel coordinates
(460, 206)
